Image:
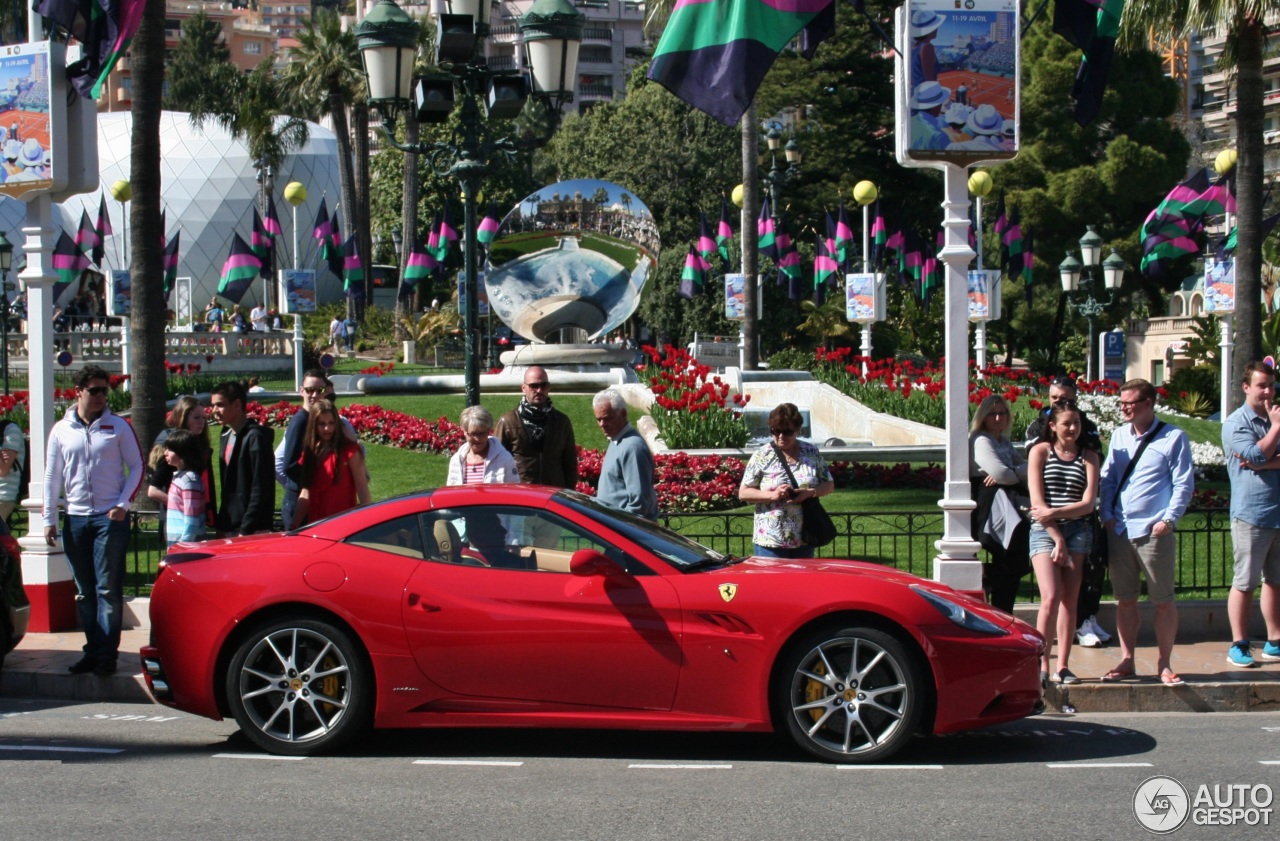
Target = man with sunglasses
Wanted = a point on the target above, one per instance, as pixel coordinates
(540, 436)
(1063, 390)
(1146, 486)
(96, 463)
(315, 385)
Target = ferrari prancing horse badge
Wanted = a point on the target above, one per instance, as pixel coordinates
(728, 591)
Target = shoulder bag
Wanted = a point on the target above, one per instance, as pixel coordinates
(816, 526)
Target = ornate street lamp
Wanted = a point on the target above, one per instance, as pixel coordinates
(1100, 292)
(6, 263)
(387, 39)
(777, 175)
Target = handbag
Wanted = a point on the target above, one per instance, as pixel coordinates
(816, 525)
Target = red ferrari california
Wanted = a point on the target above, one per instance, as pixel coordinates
(521, 606)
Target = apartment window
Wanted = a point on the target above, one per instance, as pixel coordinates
(253, 48)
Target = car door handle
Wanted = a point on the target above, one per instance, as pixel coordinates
(416, 601)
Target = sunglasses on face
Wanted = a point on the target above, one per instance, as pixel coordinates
(783, 433)
(540, 385)
(96, 390)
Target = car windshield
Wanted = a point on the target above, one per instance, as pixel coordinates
(675, 549)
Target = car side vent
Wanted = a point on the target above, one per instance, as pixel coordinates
(726, 622)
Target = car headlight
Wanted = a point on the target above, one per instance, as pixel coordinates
(961, 616)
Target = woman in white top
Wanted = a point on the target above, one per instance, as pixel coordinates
(481, 460)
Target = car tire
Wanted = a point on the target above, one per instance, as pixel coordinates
(300, 686)
(850, 695)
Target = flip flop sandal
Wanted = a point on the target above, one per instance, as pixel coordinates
(1170, 678)
(1116, 675)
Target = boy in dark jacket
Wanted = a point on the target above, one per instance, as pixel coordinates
(246, 464)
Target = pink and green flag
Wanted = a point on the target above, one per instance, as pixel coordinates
(239, 271)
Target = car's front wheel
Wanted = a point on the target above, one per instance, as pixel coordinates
(851, 695)
(299, 686)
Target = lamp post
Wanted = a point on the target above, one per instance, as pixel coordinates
(387, 39)
(6, 263)
(778, 176)
(295, 193)
(1094, 303)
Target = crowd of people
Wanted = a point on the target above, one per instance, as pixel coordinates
(219, 318)
(1068, 511)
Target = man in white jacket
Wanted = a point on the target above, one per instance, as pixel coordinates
(96, 463)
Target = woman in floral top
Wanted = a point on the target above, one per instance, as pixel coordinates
(778, 516)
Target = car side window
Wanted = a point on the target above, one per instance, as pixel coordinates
(504, 537)
(401, 536)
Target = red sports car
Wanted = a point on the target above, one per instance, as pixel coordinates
(522, 606)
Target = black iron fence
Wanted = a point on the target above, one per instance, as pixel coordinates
(903, 540)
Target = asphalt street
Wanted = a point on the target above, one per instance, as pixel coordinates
(124, 771)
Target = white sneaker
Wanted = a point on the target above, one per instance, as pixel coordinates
(1092, 624)
(1087, 639)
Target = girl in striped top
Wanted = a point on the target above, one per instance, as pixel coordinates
(1063, 479)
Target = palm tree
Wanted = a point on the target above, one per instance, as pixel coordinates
(256, 112)
(146, 235)
(1245, 24)
(325, 75)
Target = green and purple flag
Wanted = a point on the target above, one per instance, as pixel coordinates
(69, 263)
(352, 269)
(171, 264)
(239, 271)
(488, 227)
(724, 232)
(694, 275)
(713, 54)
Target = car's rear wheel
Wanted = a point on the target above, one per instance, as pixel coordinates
(299, 686)
(851, 695)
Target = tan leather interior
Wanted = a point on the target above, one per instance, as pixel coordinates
(448, 541)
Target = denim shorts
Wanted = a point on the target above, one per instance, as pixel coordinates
(1077, 533)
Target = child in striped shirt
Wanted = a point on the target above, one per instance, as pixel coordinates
(184, 520)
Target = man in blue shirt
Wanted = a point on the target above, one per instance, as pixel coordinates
(1251, 438)
(1147, 482)
(626, 476)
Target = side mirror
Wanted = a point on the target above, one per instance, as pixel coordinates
(591, 562)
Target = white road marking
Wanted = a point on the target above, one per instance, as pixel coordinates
(1098, 765)
(1269, 761)
(655, 766)
(257, 756)
(483, 762)
(60, 749)
(888, 767)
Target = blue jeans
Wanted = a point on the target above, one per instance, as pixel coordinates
(288, 505)
(95, 547)
(800, 551)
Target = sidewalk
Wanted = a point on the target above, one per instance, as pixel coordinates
(38, 668)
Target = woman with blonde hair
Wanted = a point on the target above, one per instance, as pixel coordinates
(998, 470)
(481, 460)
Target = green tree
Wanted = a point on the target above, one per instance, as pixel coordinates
(200, 76)
(1109, 174)
(146, 232)
(1246, 24)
